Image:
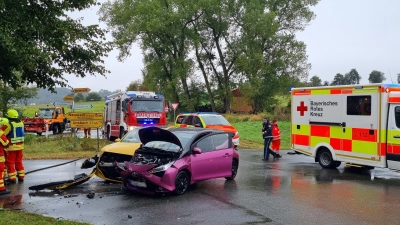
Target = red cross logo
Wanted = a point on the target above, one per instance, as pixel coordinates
(302, 108)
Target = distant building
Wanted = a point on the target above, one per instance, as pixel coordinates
(32, 103)
(239, 103)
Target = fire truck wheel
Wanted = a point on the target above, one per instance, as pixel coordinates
(325, 159)
(39, 133)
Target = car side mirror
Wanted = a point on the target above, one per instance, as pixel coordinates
(117, 140)
(196, 150)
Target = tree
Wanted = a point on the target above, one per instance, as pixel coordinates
(315, 81)
(326, 83)
(10, 96)
(398, 78)
(79, 97)
(352, 77)
(93, 96)
(376, 77)
(338, 80)
(41, 42)
(137, 85)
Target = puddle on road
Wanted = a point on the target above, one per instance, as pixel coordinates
(10, 202)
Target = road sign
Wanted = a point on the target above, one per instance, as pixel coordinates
(81, 90)
(60, 103)
(86, 123)
(174, 105)
(68, 98)
(83, 106)
(84, 116)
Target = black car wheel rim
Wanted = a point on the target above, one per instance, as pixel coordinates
(182, 182)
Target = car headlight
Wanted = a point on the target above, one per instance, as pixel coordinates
(131, 128)
(161, 168)
(237, 133)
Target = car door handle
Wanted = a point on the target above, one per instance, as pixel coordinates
(396, 136)
(226, 155)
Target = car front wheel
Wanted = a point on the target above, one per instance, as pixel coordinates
(181, 182)
(235, 167)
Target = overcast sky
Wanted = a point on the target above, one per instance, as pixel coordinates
(346, 34)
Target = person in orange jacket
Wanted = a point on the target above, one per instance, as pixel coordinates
(276, 140)
(3, 144)
(14, 130)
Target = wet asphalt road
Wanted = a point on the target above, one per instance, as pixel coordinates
(290, 190)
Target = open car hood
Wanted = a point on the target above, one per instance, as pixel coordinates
(150, 134)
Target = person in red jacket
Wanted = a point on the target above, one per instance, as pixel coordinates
(276, 140)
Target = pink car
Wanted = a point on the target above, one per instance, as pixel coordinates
(171, 160)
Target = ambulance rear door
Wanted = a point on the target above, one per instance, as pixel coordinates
(393, 132)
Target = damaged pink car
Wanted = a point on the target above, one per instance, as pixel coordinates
(171, 160)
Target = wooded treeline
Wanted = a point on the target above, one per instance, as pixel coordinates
(196, 49)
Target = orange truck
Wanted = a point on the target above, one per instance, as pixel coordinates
(53, 117)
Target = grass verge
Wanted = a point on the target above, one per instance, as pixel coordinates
(12, 217)
(60, 147)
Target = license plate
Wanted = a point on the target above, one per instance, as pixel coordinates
(137, 183)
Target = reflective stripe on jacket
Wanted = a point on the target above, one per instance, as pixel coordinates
(16, 135)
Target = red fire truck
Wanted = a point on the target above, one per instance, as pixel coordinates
(125, 110)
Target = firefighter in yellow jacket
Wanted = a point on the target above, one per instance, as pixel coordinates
(3, 143)
(14, 130)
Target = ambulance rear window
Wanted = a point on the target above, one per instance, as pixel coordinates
(359, 105)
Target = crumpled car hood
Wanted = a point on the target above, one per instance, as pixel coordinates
(150, 134)
(121, 148)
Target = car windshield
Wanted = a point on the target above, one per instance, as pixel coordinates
(215, 120)
(147, 106)
(184, 138)
(132, 136)
(46, 113)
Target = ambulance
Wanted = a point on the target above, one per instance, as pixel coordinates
(358, 125)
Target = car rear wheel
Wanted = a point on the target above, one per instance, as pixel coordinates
(235, 167)
(181, 183)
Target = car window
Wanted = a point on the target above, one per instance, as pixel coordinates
(206, 144)
(197, 121)
(132, 137)
(215, 120)
(221, 141)
(188, 120)
(162, 145)
(180, 119)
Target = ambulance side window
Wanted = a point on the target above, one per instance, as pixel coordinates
(180, 119)
(359, 105)
(397, 116)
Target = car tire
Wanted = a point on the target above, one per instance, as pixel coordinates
(235, 167)
(325, 159)
(55, 129)
(181, 183)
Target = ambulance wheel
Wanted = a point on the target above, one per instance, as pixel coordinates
(325, 159)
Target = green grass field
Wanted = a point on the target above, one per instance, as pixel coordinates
(251, 138)
(29, 111)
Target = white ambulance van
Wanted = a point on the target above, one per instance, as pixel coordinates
(358, 125)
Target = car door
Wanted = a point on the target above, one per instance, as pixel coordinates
(202, 165)
(222, 155)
